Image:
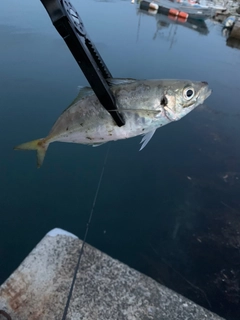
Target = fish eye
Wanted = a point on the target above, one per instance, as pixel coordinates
(188, 93)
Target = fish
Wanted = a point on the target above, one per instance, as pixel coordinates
(146, 105)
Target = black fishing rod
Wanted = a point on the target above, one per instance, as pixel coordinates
(70, 26)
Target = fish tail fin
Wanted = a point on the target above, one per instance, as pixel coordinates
(39, 145)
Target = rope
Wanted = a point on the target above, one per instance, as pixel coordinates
(85, 237)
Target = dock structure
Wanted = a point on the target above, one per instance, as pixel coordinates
(105, 289)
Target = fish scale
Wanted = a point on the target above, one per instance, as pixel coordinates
(145, 105)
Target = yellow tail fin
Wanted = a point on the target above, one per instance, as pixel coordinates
(39, 145)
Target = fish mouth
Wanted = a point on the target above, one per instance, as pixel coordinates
(205, 92)
(209, 92)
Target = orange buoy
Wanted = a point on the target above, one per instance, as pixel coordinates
(171, 17)
(182, 20)
(173, 12)
(183, 15)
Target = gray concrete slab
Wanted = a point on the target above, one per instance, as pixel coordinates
(104, 289)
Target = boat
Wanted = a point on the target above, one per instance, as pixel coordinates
(195, 9)
(165, 22)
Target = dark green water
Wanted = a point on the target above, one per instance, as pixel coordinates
(170, 211)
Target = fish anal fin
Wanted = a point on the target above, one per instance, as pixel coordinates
(39, 145)
(146, 138)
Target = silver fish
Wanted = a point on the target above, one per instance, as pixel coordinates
(145, 105)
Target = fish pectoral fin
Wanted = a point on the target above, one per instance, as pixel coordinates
(98, 144)
(146, 138)
(39, 145)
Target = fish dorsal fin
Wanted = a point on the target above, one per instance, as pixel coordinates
(118, 81)
(83, 92)
(146, 138)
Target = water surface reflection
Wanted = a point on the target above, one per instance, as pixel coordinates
(172, 210)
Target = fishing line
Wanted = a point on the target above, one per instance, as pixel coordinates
(85, 236)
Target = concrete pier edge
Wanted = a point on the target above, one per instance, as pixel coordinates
(104, 289)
